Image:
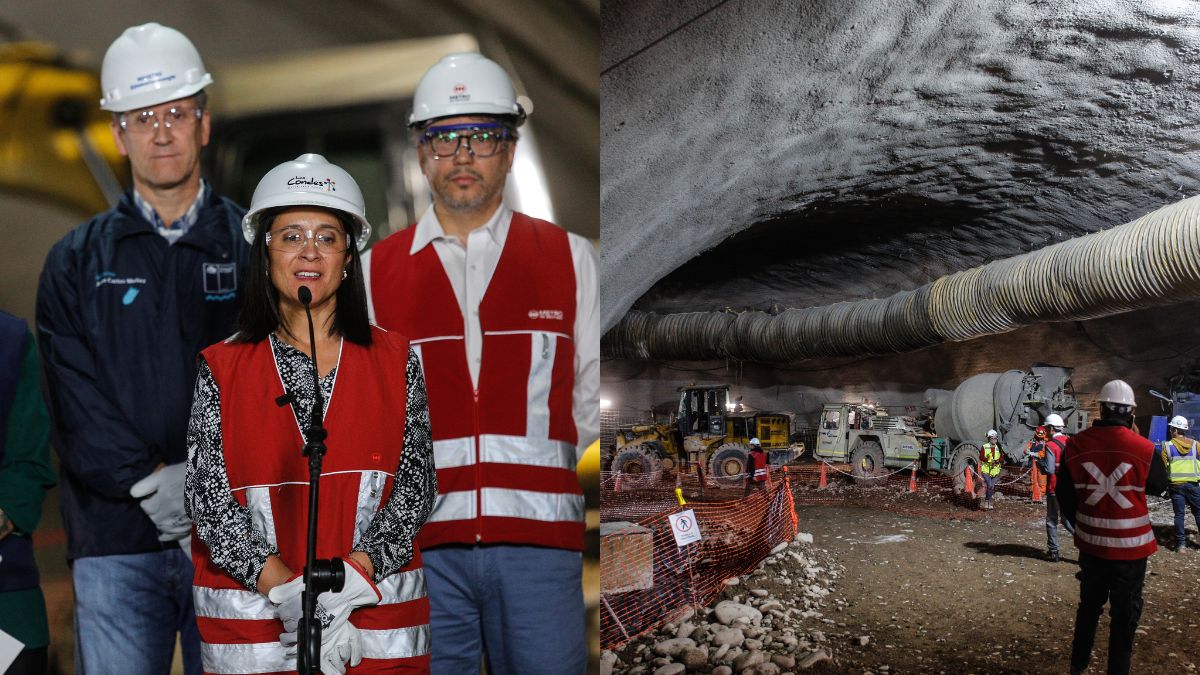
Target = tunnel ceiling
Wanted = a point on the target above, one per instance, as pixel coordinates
(758, 153)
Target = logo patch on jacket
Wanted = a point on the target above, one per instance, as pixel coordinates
(220, 281)
(554, 314)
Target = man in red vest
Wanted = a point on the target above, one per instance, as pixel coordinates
(1102, 485)
(501, 311)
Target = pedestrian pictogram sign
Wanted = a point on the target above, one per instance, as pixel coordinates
(684, 527)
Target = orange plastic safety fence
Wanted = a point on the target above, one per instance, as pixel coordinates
(647, 579)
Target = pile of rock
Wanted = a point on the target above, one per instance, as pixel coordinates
(767, 623)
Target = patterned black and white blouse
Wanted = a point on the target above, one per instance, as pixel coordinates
(226, 526)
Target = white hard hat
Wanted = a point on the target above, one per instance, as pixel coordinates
(992, 432)
(308, 180)
(1117, 392)
(465, 84)
(1179, 422)
(754, 441)
(1055, 420)
(148, 65)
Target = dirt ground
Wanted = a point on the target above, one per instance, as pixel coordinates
(973, 594)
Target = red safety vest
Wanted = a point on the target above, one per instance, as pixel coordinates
(759, 461)
(505, 451)
(262, 441)
(1108, 466)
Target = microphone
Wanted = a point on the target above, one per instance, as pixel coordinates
(318, 411)
(288, 397)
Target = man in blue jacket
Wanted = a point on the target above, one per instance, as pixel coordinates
(125, 302)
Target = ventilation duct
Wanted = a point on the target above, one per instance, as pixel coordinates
(1154, 260)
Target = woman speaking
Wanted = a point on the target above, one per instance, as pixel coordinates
(247, 483)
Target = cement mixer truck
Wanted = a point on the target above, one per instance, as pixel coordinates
(1014, 403)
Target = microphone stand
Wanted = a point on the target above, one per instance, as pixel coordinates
(319, 575)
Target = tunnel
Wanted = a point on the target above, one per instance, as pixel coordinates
(761, 158)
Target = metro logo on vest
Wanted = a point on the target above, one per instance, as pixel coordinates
(505, 451)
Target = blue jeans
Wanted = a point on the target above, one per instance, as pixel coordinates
(522, 605)
(128, 609)
(990, 483)
(1053, 516)
(1183, 496)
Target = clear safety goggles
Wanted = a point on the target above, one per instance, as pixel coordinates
(293, 239)
(483, 139)
(181, 117)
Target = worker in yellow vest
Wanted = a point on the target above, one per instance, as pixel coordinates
(1180, 456)
(989, 466)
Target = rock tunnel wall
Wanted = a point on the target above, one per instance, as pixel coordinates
(861, 148)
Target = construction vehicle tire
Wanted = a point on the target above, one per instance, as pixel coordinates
(638, 465)
(966, 454)
(867, 460)
(727, 465)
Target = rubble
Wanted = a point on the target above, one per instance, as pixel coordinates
(769, 622)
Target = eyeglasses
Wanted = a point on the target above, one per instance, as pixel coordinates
(294, 239)
(183, 118)
(483, 140)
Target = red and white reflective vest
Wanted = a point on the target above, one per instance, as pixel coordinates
(365, 417)
(505, 451)
(758, 459)
(1108, 466)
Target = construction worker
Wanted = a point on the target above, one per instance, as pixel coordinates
(1053, 454)
(125, 302)
(1104, 475)
(501, 308)
(989, 466)
(1035, 452)
(1179, 455)
(757, 471)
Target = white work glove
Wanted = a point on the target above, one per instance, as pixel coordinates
(338, 647)
(332, 610)
(163, 501)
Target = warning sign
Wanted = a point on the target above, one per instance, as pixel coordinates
(684, 527)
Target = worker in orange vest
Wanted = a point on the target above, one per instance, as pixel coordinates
(1035, 452)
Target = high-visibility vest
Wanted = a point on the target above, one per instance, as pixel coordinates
(1184, 468)
(505, 450)
(239, 631)
(759, 458)
(1108, 466)
(989, 459)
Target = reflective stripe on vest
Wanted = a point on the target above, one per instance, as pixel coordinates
(1183, 468)
(268, 657)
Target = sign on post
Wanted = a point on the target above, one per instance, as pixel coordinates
(684, 527)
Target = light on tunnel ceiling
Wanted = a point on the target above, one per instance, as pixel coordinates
(531, 193)
(605, 403)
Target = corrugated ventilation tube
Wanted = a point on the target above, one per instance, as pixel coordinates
(1154, 260)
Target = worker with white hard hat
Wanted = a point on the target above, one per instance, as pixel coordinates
(307, 226)
(504, 308)
(125, 302)
(1180, 457)
(1056, 441)
(757, 472)
(990, 460)
(1103, 480)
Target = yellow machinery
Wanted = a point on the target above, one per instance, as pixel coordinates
(710, 435)
(54, 139)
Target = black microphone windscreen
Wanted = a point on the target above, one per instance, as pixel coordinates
(305, 295)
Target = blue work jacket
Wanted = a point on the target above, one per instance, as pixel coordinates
(121, 316)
